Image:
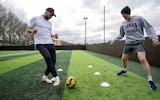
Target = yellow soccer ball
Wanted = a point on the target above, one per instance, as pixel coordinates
(71, 82)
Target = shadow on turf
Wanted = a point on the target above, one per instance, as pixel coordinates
(17, 56)
(25, 83)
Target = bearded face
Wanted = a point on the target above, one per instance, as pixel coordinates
(48, 15)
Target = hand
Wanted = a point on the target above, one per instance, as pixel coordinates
(112, 42)
(155, 43)
(34, 31)
(54, 36)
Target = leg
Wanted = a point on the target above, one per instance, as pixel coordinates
(44, 52)
(126, 53)
(52, 52)
(140, 49)
(142, 58)
(124, 63)
(146, 67)
(124, 60)
(53, 59)
(144, 62)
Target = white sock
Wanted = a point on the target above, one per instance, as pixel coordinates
(125, 69)
(53, 77)
(149, 78)
(44, 76)
(57, 77)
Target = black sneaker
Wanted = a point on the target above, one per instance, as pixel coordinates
(152, 86)
(121, 73)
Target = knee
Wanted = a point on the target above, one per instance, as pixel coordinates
(142, 59)
(47, 58)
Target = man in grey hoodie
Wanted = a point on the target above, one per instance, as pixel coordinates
(132, 28)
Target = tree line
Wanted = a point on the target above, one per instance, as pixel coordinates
(13, 31)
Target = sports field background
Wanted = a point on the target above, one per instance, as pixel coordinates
(21, 72)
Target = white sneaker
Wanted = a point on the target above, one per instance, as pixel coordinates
(45, 79)
(57, 82)
(53, 79)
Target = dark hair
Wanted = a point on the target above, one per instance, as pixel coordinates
(126, 10)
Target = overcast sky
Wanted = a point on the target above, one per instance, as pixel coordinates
(69, 23)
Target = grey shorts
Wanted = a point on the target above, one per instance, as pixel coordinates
(138, 47)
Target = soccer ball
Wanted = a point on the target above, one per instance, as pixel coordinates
(71, 82)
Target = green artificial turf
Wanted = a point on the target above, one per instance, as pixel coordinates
(24, 82)
(127, 87)
(14, 55)
(21, 72)
(132, 66)
(8, 65)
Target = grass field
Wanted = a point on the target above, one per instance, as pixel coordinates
(21, 72)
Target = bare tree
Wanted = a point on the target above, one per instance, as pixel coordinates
(12, 30)
(3, 22)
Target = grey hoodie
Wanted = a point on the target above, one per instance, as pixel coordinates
(133, 29)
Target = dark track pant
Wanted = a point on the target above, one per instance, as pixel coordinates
(49, 54)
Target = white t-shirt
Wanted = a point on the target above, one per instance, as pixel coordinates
(43, 35)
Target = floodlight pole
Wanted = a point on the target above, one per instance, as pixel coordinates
(85, 18)
(104, 24)
(105, 20)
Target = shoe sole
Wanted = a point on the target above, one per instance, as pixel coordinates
(53, 80)
(46, 81)
(122, 74)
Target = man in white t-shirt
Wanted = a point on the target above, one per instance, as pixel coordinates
(41, 27)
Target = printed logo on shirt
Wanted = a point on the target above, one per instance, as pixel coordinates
(130, 28)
